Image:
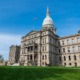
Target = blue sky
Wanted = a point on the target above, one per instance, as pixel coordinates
(16, 19)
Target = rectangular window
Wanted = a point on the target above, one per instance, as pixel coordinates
(63, 49)
(68, 49)
(42, 57)
(74, 57)
(42, 63)
(64, 58)
(79, 48)
(67, 41)
(62, 42)
(70, 64)
(51, 40)
(43, 48)
(78, 39)
(27, 57)
(72, 41)
(59, 50)
(64, 64)
(69, 58)
(73, 49)
(60, 58)
(45, 57)
(43, 40)
(58, 43)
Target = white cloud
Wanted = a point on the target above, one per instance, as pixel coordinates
(6, 41)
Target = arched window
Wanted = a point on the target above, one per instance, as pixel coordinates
(59, 58)
(42, 48)
(68, 49)
(64, 50)
(70, 64)
(64, 64)
(69, 57)
(75, 64)
(59, 50)
(74, 57)
(42, 57)
(45, 57)
(64, 58)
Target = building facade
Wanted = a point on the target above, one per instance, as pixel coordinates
(45, 47)
(70, 50)
(14, 54)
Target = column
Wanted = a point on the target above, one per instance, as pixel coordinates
(25, 64)
(33, 58)
(39, 59)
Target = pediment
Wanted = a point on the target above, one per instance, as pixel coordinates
(30, 33)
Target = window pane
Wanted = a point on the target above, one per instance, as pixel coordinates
(68, 49)
(78, 39)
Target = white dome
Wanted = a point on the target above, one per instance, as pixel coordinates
(47, 21)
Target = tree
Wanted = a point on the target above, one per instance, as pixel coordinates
(1, 58)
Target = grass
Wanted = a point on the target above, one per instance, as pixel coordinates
(39, 73)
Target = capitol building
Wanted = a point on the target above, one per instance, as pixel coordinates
(46, 48)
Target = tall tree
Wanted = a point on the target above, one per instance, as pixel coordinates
(1, 58)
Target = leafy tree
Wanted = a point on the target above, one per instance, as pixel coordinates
(1, 58)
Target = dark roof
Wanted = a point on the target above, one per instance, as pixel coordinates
(70, 36)
(79, 31)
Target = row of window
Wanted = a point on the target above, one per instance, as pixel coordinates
(35, 35)
(31, 41)
(32, 36)
(35, 41)
(71, 41)
(73, 49)
(44, 57)
(44, 48)
(51, 40)
(32, 48)
(44, 63)
(69, 58)
(71, 64)
(44, 40)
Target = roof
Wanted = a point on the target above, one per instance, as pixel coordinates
(31, 32)
(70, 36)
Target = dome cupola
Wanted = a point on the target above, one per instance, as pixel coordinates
(48, 22)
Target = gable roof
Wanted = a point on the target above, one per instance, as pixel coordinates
(31, 32)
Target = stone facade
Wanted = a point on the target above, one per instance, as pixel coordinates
(37, 48)
(69, 51)
(46, 48)
(14, 54)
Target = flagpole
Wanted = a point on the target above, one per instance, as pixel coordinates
(33, 24)
(34, 19)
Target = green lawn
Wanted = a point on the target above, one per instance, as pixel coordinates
(39, 73)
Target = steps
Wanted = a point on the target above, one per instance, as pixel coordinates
(15, 64)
